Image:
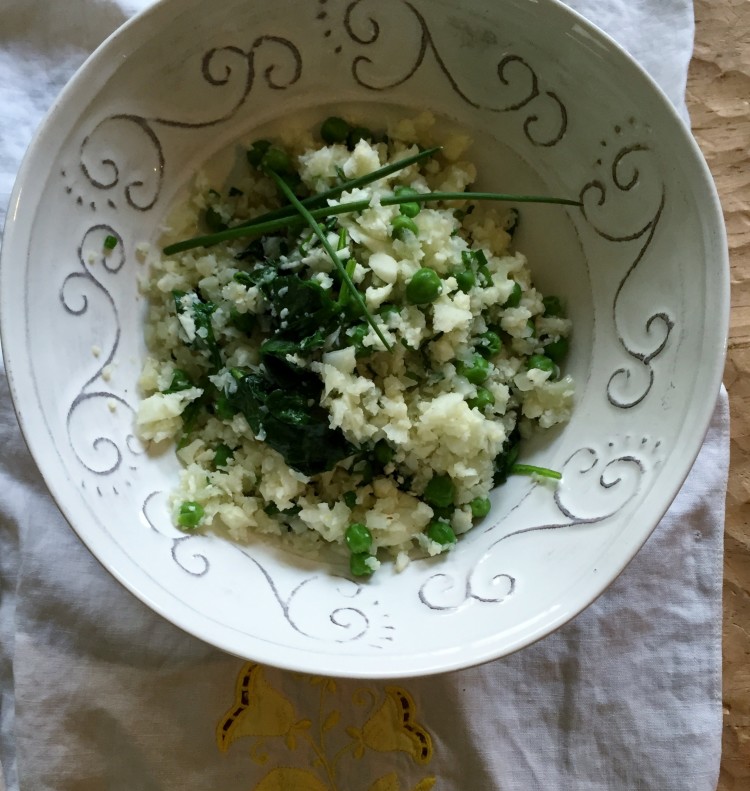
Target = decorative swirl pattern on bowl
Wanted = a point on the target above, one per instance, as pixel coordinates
(620, 480)
(625, 176)
(510, 72)
(98, 162)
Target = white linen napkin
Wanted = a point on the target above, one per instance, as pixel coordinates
(97, 692)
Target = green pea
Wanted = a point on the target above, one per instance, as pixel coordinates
(482, 269)
(350, 499)
(483, 398)
(358, 538)
(180, 381)
(278, 161)
(190, 515)
(553, 307)
(245, 278)
(439, 491)
(356, 339)
(411, 208)
(514, 300)
(110, 242)
(542, 362)
(557, 350)
(440, 532)
(401, 224)
(334, 130)
(358, 565)
(480, 507)
(466, 279)
(222, 454)
(383, 452)
(257, 151)
(356, 134)
(424, 287)
(489, 344)
(476, 370)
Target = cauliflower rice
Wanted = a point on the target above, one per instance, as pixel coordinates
(445, 403)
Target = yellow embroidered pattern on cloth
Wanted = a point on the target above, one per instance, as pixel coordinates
(309, 732)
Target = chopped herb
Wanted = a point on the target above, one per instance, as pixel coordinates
(557, 350)
(180, 381)
(530, 469)
(203, 327)
(332, 253)
(222, 454)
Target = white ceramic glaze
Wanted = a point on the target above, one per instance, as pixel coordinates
(553, 105)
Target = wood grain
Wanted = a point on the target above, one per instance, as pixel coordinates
(719, 103)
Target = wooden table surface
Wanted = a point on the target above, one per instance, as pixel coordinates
(719, 104)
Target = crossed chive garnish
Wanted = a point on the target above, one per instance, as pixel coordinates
(290, 217)
(320, 233)
(309, 211)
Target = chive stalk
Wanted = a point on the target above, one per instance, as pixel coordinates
(264, 226)
(530, 469)
(346, 186)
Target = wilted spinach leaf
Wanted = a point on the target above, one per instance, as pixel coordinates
(244, 322)
(256, 277)
(300, 308)
(292, 421)
(278, 347)
(204, 331)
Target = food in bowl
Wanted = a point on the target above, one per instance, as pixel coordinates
(370, 402)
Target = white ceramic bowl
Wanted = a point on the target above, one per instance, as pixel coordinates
(554, 106)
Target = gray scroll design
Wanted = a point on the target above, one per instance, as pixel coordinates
(195, 564)
(512, 71)
(486, 582)
(344, 613)
(625, 175)
(75, 301)
(99, 165)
